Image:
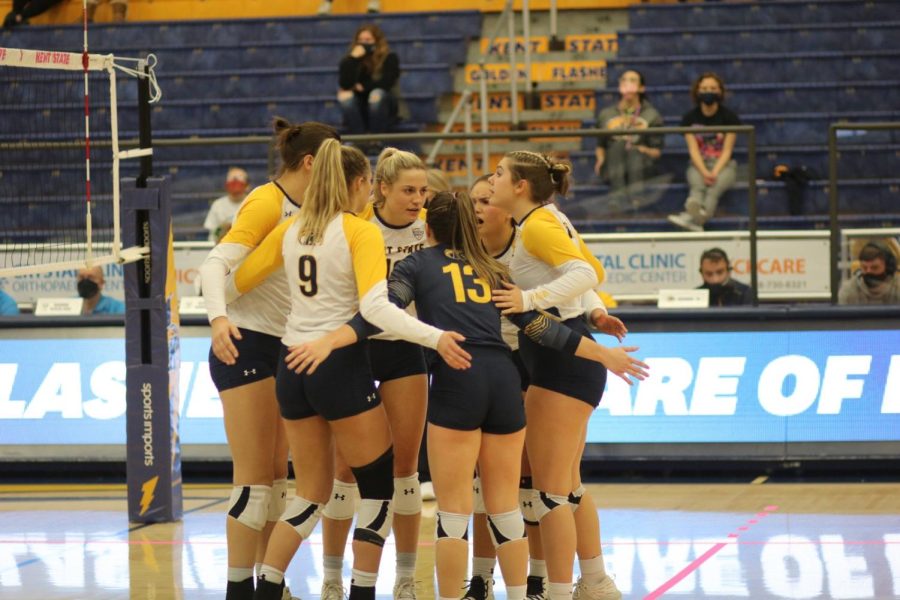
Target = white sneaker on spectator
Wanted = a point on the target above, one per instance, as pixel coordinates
(324, 7)
(605, 590)
(685, 221)
(427, 490)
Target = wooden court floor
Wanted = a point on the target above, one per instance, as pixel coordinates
(660, 541)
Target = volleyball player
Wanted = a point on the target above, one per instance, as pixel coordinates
(554, 267)
(243, 358)
(400, 189)
(499, 234)
(335, 265)
(476, 415)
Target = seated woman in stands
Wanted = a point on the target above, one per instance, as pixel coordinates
(711, 171)
(368, 81)
(628, 160)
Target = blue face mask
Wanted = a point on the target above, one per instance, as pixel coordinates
(709, 98)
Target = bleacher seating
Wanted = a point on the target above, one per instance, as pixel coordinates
(225, 78)
(792, 68)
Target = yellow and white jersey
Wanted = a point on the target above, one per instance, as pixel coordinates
(265, 309)
(508, 330)
(332, 280)
(399, 242)
(552, 264)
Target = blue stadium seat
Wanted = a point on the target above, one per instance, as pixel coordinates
(244, 31)
(758, 13)
(855, 161)
(187, 85)
(862, 196)
(849, 36)
(765, 67)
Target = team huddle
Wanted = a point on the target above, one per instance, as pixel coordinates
(331, 280)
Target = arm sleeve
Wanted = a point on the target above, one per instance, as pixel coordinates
(390, 73)
(548, 241)
(401, 293)
(545, 331)
(214, 271)
(262, 262)
(592, 301)
(370, 268)
(348, 73)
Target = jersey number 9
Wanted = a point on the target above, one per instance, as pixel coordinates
(481, 296)
(308, 284)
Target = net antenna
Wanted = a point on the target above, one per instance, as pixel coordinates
(39, 251)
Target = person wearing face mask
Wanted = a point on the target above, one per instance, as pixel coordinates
(90, 283)
(712, 171)
(723, 290)
(628, 160)
(875, 282)
(368, 83)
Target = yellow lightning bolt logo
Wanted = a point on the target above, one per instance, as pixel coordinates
(147, 493)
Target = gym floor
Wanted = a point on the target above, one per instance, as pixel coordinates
(661, 540)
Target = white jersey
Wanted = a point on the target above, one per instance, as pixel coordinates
(399, 242)
(266, 307)
(331, 281)
(552, 264)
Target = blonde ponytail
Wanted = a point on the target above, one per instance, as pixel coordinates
(327, 195)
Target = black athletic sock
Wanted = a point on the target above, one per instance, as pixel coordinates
(239, 590)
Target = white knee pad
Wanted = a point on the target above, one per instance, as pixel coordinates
(249, 505)
(506, 527)
(407, 495)
(374, 522)
(544, 503)
(342, 503)
(478, 497)
(278, 501)
(452, 525)
(526, 503)
(575, 497)
(302, 515)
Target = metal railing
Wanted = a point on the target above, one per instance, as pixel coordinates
(837, 237)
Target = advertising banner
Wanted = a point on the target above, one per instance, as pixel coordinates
(787, 267)
(800, 386)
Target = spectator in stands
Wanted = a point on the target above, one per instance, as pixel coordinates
(711, 171)
(222, 210)
(23, 10)
(876, 281)
(90, 284)
(119, 9)
(368, 82)
(628, 160)
(8, 306)
(372, 6)
(437, 182)
(723, 290)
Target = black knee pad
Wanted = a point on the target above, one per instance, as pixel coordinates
(376, 479)
(376, 489)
